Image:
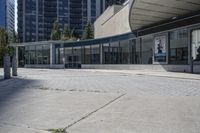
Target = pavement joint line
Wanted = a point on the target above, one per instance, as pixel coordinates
(167, 77)
(20, 126)
(64, 90)
(91, 113)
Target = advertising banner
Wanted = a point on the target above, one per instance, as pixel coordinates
(160, 49)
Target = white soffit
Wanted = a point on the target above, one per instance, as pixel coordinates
(147, 12)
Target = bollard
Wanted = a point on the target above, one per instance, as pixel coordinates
(14, 66)
(6, 65)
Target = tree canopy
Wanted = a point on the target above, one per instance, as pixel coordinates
(14, 37)
(56, 33)
(3, 42)
(67, 34)
(88, 31)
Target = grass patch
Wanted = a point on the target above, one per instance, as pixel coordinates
(57, 130)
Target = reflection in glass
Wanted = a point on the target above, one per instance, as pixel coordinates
(114, 52)
(39, 54)
(196, 45)
(87, 57)
(147, 49)
(124, 52)
(95, 54)
(106, 53)
(178, 47)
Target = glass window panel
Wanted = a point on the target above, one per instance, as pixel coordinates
(125, 53)
(39, 55)
(196, 45)
(178, 47)
(95, 54)
(87, 55)
(115, 52)
(147, 49)
(46, 54)
(32, 55)
(106, 53)
(137, 52)
(76, 58)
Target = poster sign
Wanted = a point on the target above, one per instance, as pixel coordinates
(160, 49)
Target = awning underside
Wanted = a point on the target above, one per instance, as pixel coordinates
(148, 12)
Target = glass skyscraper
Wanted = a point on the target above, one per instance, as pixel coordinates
(36, 17)
(7, 14)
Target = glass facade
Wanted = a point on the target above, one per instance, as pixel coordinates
(147, 49)
(178, 47)
(196, 45)
(37, 55)
(171, 47)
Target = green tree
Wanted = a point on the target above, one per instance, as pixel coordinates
(14, 37)
(88, 31)
(56, 33)
(67, 34)
(3, 44)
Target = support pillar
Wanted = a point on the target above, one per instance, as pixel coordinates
(14, 66)
(52, 55)
(6, 60)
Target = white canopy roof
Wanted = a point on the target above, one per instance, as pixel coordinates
(144, 13)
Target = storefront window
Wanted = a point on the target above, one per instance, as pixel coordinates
(27, 59)
(87, 57)
(67, 56)
(125, 52)
(32, 55)
(39, 54)
(76, 57)
(114, 52)
(137, 52)
(46, 54)
(147, 49)
(196, 45)
(106, 53)
(95, 54)
(178, 47)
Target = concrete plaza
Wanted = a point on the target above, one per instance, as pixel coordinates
(100, 101)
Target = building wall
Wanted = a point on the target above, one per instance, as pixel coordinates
(36, 17)
(2, 13)
(115, 18)
(7, 15)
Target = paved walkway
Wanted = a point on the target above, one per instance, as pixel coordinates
(1, 74)
(153, 73)
(88, 101)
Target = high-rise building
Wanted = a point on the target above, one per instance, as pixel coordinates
(7, 14)
(36, 17)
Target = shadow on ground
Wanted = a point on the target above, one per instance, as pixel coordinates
(11, 87)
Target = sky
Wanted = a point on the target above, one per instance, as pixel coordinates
(15, 15)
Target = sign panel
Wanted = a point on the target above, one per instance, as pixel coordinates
(160, 49)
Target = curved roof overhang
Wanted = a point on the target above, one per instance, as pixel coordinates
(146, 13)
